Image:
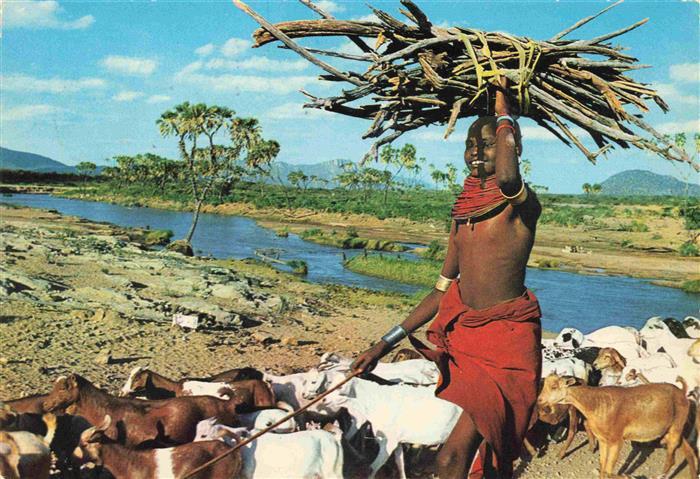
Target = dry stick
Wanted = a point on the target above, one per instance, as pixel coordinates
(610, 35)
(271, 427)
(362, 45)
(313, 28)
(583, 21)
(298, 49)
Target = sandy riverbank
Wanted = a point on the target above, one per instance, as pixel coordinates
(83, 297)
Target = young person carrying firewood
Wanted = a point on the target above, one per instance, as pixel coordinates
(486, 324)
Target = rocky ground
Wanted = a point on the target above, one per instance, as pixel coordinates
(77, 296)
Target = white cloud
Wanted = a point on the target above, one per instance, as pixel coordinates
(26, 83)
(350, 48)
(244, 83)
(40, 14)
(256, 63)
(125, 96)
(367, 18)
(669, 92)
(129, 65)
(287, 111)
(234, 47)
(158, 99)
(439, 135)
(24, 112)
(329, 7)
(672, 127)
(205, 50)
(685, 72)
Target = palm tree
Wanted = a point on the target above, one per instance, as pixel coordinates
(208, 163)
(587, 188)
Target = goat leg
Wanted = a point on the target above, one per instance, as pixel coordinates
(690, 457)
(573, 428)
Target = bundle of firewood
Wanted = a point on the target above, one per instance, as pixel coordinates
(416, 74)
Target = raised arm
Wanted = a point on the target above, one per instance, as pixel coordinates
(421, 314)
(511, 183)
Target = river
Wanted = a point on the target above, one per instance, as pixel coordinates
(586, 302)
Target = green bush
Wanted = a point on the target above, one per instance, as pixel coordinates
(434, 251)
(689, 248)
(635, 226)
(298, 267)
(691, 286)
(157, 237)
(351, 232)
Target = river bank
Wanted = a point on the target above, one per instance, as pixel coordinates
(606, 250)
(86, 297)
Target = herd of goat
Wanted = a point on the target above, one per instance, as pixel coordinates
(619, 383)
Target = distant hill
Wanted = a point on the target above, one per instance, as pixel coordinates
(325, 170)
(21, 160)
(646, 183)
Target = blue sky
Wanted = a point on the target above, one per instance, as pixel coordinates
(87, 80)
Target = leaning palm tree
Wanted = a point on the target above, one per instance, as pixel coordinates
(207, 162)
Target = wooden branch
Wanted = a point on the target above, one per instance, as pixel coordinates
(583, 21)
(318, 28)
(362, 45)
(293, 46)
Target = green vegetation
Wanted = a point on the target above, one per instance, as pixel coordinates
(689, 248)
(349, 240)
(635, 226)
(691, 286)
(420, 272)
(209, 165)
(298, 267)
(548, 263)
(568, 215)
(158, 237)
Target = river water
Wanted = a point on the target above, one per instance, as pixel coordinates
(567, 299)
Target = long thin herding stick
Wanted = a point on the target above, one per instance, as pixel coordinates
(271, 427)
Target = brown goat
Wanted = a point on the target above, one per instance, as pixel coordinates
(124, 463)
(138, 422)
(554, 414)
(33, 404)
(252, 393)
(640, 413)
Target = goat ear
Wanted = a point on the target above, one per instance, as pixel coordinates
(569, 381)
(106, 422)
(619, 358)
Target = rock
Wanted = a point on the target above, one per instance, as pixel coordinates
(181, 246)
(104, 357)
(210, 315)
(4, 361)
(190, 321)
(228, 291)
(263, 338)
(289, 341)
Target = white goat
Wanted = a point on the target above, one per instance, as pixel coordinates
(412, 371)
(314, 454)
(567, 367)
(398, 414)
(626, 340)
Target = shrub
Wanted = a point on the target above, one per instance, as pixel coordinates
(351, 232)
(434, 250)
(548, 263)
(635, 226)
(298, 267)
(691, 286)
(311, 232)
(689, 248)
(158, 237)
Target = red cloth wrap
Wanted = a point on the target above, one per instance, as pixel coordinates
(474, 201)
(490, 365)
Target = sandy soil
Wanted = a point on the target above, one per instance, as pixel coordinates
(48, 329)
